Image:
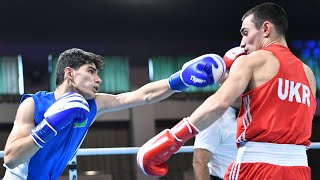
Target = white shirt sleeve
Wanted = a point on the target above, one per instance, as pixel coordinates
(209, 138)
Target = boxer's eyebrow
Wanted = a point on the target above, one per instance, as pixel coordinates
(92, 68)
(241, 30)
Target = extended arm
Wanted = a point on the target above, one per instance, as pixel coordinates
(201, 158)
(147, 94)
(197, 72)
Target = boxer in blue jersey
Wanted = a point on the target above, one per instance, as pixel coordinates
(50, 126)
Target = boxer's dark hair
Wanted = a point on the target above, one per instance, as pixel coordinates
(269, 12)
(75, 58)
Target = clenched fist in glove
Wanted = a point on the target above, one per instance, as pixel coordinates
(231, 55)
(152, 156)
(199, 72)
(70, 107)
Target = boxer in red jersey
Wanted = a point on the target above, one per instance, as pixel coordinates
(278, 105)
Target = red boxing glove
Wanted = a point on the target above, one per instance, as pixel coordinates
(152, 156)
(232, 55)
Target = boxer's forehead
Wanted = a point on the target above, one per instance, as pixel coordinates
(247, 24)
(90, 65)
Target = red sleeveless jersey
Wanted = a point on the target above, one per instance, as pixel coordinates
(280, 110)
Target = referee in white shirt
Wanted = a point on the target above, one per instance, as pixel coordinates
(215, 147)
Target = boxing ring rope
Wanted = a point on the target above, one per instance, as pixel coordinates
(134, 150)
(122, 150)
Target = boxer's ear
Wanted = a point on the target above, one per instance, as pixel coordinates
(68, 72)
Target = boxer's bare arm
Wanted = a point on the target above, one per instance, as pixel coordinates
(214, 106)
(199, 72)
(19, 146)
(147, 94)
(245, 74)
(311, 79)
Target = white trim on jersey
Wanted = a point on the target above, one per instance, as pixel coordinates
(235, 171)
(247, 119)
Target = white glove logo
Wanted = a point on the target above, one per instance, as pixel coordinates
(197, 80)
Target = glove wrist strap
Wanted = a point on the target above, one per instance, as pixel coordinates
(43, 133)
(184, 130)
(175, 82)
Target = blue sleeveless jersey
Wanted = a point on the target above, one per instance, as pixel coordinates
(50, 161)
